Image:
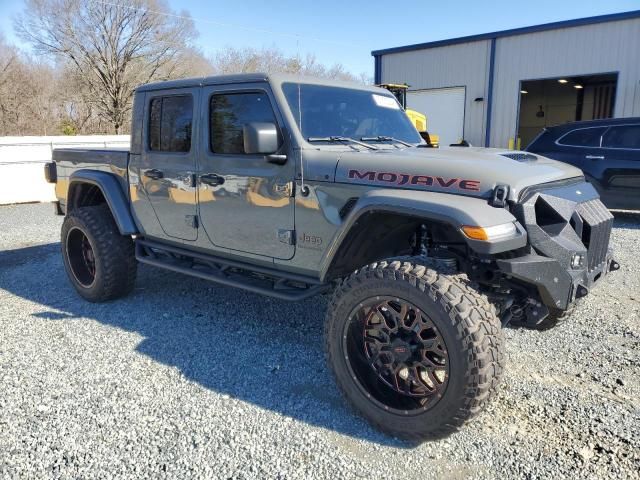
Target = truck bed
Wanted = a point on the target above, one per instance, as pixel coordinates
(70, 160)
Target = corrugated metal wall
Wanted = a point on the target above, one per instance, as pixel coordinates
(463, 65)
(590, 49)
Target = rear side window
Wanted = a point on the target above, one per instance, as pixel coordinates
(228, 115)
(624, 136)
(170, 120)
(583, 137)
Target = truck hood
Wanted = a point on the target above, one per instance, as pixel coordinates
(471, 171)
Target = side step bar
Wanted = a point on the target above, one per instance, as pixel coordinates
(263, 280)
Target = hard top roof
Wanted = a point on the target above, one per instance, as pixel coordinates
(278, 78)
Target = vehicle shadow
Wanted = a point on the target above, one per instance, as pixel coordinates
(253, 348)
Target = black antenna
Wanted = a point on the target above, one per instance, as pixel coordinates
(304, 190)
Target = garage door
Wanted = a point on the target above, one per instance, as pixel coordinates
(444, 108)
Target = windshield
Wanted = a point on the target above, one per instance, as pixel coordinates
(336, 111)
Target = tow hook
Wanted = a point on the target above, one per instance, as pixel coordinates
(582, 291)
(530, 312)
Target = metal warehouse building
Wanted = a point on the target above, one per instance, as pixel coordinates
(493, 88)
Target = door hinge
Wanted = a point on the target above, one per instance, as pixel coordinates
(286, 189)
(188, 179)
(191, 221)
(287, 236)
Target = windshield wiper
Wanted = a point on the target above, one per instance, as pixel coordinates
(385, 138)
(337, 138)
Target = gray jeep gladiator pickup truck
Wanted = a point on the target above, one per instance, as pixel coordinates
(292, 187)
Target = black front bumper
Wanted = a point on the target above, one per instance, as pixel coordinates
(557, 287)
(568, 230)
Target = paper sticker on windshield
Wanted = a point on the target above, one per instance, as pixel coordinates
(386, 102)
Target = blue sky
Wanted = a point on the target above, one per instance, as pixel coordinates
(346, 31)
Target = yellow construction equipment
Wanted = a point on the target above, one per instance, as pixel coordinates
(418, 119)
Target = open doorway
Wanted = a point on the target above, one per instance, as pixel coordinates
(554, 101)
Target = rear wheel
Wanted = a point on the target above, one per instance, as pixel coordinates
(99, 261)
(416, 352)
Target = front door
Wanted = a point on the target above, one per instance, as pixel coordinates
(246, 203)
(168, 161)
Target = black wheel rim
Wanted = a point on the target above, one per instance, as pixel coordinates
(396, 355)
(82, 260)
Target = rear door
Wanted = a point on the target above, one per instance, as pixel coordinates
(579, 147)
(621, 166)
(168, 161)
(250, 205)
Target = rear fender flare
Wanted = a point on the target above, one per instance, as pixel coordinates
(113, 194)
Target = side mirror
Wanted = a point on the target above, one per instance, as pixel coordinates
(260, 138)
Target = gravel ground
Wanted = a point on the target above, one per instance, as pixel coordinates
(189, 379)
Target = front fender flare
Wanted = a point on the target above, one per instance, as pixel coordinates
(455, 210)
(113, 194)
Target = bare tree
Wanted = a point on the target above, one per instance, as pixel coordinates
(112, 46)
(273, 60)
(78, 115)
(27, 93)
(103, 49)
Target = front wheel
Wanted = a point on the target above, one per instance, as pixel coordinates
(416, 352)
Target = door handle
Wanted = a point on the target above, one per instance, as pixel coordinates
(211, 179)
(594, 157)
(154, 174)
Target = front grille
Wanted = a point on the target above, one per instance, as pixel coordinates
(593, 225)
(564, 220)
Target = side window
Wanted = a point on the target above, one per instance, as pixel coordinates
(170, 120)
(583, 137)
(624, 136)
(228, 113)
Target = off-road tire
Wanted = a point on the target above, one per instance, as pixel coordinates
(467, 322)
(115, 261)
